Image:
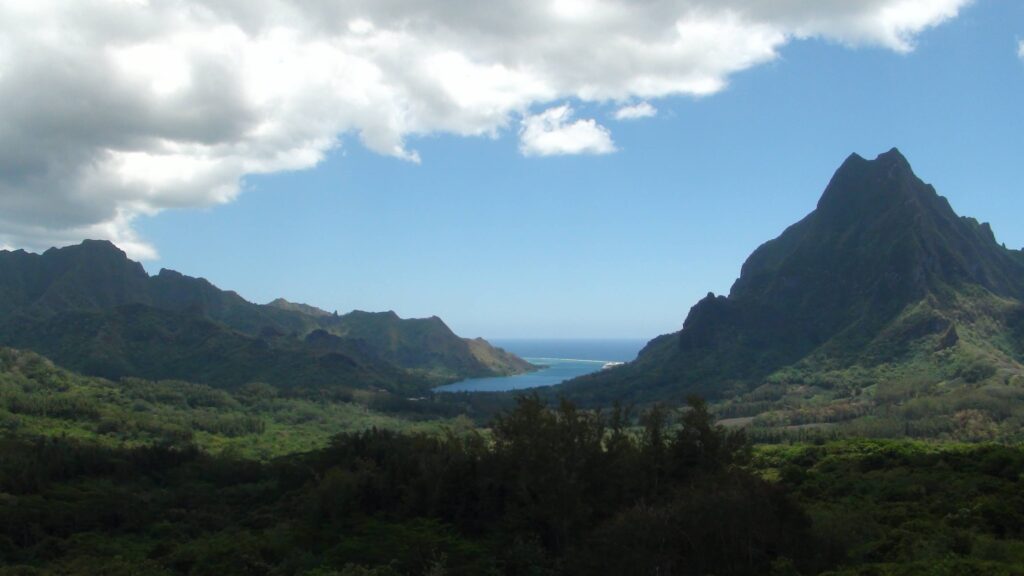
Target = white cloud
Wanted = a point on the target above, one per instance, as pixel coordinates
(1020, 50)
(552, 133)
(641, 110)
(112, 109)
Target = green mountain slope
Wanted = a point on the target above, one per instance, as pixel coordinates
(298, 307)
(425, 344)
(92, 309)
(880, 296)
(147, 342)
(39, 399)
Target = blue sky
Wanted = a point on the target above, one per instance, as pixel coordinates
(505, 244)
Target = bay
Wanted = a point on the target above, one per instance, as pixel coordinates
(561, 360)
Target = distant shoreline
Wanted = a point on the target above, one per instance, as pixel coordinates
(553, 371)
(531, 359)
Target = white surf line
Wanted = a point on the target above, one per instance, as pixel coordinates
(570, 360)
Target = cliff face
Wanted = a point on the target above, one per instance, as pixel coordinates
(879, 269)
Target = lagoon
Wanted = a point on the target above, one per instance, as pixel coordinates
(561, 360)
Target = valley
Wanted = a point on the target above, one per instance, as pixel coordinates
(511, 288)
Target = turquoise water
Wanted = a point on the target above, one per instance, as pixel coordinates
(563, 360)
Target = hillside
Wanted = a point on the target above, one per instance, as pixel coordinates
(39, 399)
(424, 344)
(881, 311)
(152, 478)
(92, 309)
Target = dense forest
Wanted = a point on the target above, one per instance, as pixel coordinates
(541, 491)
(257, 420)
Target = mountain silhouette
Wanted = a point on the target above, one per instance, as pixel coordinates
(882, 273)
(90, 308)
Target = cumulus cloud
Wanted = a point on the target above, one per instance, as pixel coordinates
(635, 111)
(114, 109)
(552, 133)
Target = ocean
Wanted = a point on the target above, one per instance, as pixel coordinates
(562, 360)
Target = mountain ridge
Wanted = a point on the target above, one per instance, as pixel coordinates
(882, 278)
(74, 294)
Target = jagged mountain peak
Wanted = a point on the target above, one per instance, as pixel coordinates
(307, 309)
(91, 252)
(882, 264)
(90, 274)
(880, 229)
(891, 157)
(863, 187)
(89, 246)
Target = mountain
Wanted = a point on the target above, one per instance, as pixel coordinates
(94, 310)
(425, 344)
(143, 341)
(879, 296)
(298, 307)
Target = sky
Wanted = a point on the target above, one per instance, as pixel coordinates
(527, 168)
